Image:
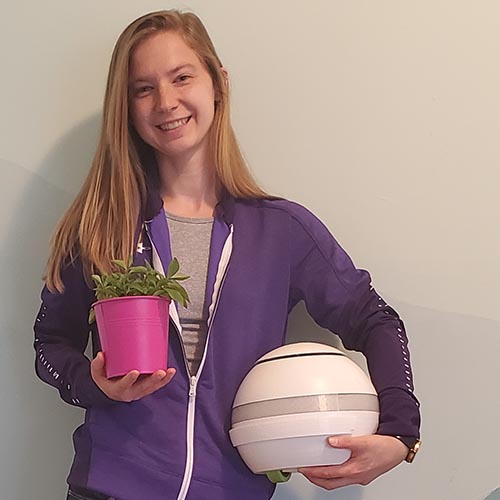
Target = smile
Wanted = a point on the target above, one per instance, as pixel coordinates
(174, 124)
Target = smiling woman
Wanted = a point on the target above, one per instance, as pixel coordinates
(172, 101)
(168, 178)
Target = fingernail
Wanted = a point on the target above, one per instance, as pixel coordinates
(333, 441)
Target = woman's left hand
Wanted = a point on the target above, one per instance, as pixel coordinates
(371, 456)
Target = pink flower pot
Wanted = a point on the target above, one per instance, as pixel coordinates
(133, 333)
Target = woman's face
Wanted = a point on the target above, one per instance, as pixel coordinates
(171, 97)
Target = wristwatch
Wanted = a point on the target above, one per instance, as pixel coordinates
(413, 444)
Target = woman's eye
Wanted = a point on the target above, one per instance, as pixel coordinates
(183, 78)
(143, 90)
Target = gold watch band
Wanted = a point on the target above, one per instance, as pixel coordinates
(413, 451)
(413, 444)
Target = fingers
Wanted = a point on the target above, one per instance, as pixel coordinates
(97, 366)
(130, 387)
(170, 375)
(353, 443)
(124, 383)
(371, 456)
(134, 386)
(151, 383)
(326, 472)
(337, 476)
(329, 484)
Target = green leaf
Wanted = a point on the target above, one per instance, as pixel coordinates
(121, 264)
(181, 277)
(176, 286)
(127, 280)
(91, 315)
(176, 296)
(139, 269)
(97, 279)
(173, 267)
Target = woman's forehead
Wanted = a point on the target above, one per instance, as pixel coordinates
(163, 51)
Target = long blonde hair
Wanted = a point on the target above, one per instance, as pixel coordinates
(101, 223)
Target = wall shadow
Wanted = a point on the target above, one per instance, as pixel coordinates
(37, 444)
(494, 495)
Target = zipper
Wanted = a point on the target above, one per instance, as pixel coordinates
(188, 469)
(192, 387)
(219, 282)
(193, 379)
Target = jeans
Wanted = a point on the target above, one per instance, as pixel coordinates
(75, 493)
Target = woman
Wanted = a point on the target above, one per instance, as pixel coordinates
(168, 178)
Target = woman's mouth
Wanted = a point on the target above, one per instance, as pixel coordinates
(174, 124)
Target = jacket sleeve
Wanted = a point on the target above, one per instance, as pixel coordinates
(340, 297)
(61, 336)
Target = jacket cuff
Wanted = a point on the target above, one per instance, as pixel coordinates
(93, 395)
(399, 413)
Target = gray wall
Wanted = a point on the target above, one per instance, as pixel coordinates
(382, 117)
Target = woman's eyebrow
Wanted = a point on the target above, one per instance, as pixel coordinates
(170, 72)
(181, 66)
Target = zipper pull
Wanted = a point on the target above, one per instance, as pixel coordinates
(192, 387)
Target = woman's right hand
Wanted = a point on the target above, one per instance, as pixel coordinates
(130, 387)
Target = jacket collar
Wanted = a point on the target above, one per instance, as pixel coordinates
(154, 203)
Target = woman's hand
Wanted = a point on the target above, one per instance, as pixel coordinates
(371, 456)
(130, 387)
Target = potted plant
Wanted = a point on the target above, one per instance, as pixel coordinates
(132, 313)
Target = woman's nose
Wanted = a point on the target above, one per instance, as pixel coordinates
(166, 98)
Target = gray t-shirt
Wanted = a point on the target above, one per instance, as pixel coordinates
(190, 243)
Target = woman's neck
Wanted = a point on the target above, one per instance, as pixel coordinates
(189, 188)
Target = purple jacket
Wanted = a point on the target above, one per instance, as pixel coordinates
(265, 257)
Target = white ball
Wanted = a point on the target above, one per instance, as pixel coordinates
(293, 399)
